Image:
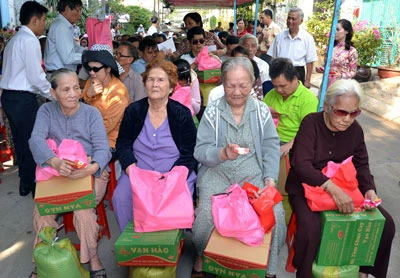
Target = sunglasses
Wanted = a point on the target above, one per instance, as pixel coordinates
(95, 69)
(344, 113)
(122, 56)
(201, 41)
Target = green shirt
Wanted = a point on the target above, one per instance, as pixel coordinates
(292, 110)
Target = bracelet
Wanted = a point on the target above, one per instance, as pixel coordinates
(327, 185)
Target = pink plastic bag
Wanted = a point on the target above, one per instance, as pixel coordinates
(161, 201)
(68, 149)
(234, 216)
(206, 62)
(98, 31)
(182, 95)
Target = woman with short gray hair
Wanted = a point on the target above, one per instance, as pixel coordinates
(236, 120)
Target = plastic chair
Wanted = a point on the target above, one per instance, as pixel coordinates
(101, 220)
(112, 184)
(6, 153)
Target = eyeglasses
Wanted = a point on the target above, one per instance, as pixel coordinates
(344, 113)
(201, 41)
(95, 69)
(122, 56)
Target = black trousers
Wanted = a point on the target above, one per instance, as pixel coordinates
(21, 108)
(301, 74)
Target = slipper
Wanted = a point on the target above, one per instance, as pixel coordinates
(101, 273)
(198, 274)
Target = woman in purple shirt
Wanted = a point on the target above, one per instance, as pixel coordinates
(156, 134)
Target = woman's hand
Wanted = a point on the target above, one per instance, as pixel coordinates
(370, 195)
(87, 171)
(342, 200)
(127, 168)
(62, 167)
(319, 69)
(267, 182)
(96, 87)
(228, 153)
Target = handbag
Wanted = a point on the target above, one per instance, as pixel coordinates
(206, 62)
(98, 31)
(264, 204)
(342, 174)
(234, 216)
(161, 201)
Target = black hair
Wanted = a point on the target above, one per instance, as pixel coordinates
(232, 40)
(349, 28)
(240, 49)
(147, 43)
(183, 70)
(158, 35)
(72, 4)
(154, 19)
(131, 48)
(115, 44)
(283, 66)
(196, 18)
(134, 39)
(30, 9)
(195, 31)
(256, 69)
(242, 19)
(223, 34)
(268, 13)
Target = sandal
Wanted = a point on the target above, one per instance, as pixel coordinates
(33, 274)
(101, 273)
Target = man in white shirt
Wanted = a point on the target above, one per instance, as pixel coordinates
(62, 50)
(153, 28)
(270, 31)
(23, 78)
(296, 45)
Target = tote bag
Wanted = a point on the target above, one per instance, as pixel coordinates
(99, 32)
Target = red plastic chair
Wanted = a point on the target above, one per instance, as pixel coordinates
(291, 231)
(112, 184)
(6, 153)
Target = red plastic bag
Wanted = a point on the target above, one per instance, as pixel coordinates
(263, 205)
(206, 62)
(98, 31)
(161, 201)
(234, 216)
(182, 95)
(70, 150)
(343, 175)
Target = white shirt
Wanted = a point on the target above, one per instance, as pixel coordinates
(62, 51)
(152, 30)
(300, 49)
(188, 57)
(264, 69)
(22, 69)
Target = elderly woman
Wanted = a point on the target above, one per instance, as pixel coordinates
(332, 135)
(104, 90)
(67, 118)
(156, 134)
(234, 120)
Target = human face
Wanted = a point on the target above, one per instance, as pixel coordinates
(39, 23)
(264, 19)
(190, 23)
(102, 74)
(149, 54)
(84, 43)
(251, 46)
(293, 21)
(67, 93)
(241, 25)
(340, 33)
(285, 87)
(229, 48)
(157, 84)
(123, 56)
(196, 48)
(237, 85)
(73, 16)
(341, 123)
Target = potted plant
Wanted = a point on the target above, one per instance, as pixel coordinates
(368, 41)
(390, 67)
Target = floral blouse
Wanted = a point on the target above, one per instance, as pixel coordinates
(344, 61)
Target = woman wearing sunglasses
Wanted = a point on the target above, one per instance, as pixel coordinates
(104, 90)
(332, 135)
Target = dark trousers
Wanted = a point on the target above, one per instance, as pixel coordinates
(21, 108)
(307, 240)
(301, 74)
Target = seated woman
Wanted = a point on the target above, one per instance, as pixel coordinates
(332, 135)
(104, 90)
(156, 134)
(236, 120)
(67, 118)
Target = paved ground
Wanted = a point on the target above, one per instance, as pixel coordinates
(16, 233)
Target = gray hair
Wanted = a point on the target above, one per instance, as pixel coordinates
(55, 76)
(298, 11)
(236, 62)
(342, 87)
(248, 37)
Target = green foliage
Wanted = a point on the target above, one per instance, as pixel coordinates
(319, 24)
(368, 41)
(245, 12)
(213, 22)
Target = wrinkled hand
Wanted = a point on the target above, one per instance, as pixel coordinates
(267, 182)
(62, 167)
(87, 171)
(319, 69)
(342, 200)
(228, 153)
(370, 195)
(285, 148)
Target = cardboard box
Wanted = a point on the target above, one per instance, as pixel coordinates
(148, 249)
(209, 76)
(61, 194)
(350, 239)
(228, 257)
(283, 172)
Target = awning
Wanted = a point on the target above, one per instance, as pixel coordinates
(207, 3)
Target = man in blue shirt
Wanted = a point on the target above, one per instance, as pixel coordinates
(148, 52)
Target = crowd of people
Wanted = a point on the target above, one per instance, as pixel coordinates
(116, 99)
